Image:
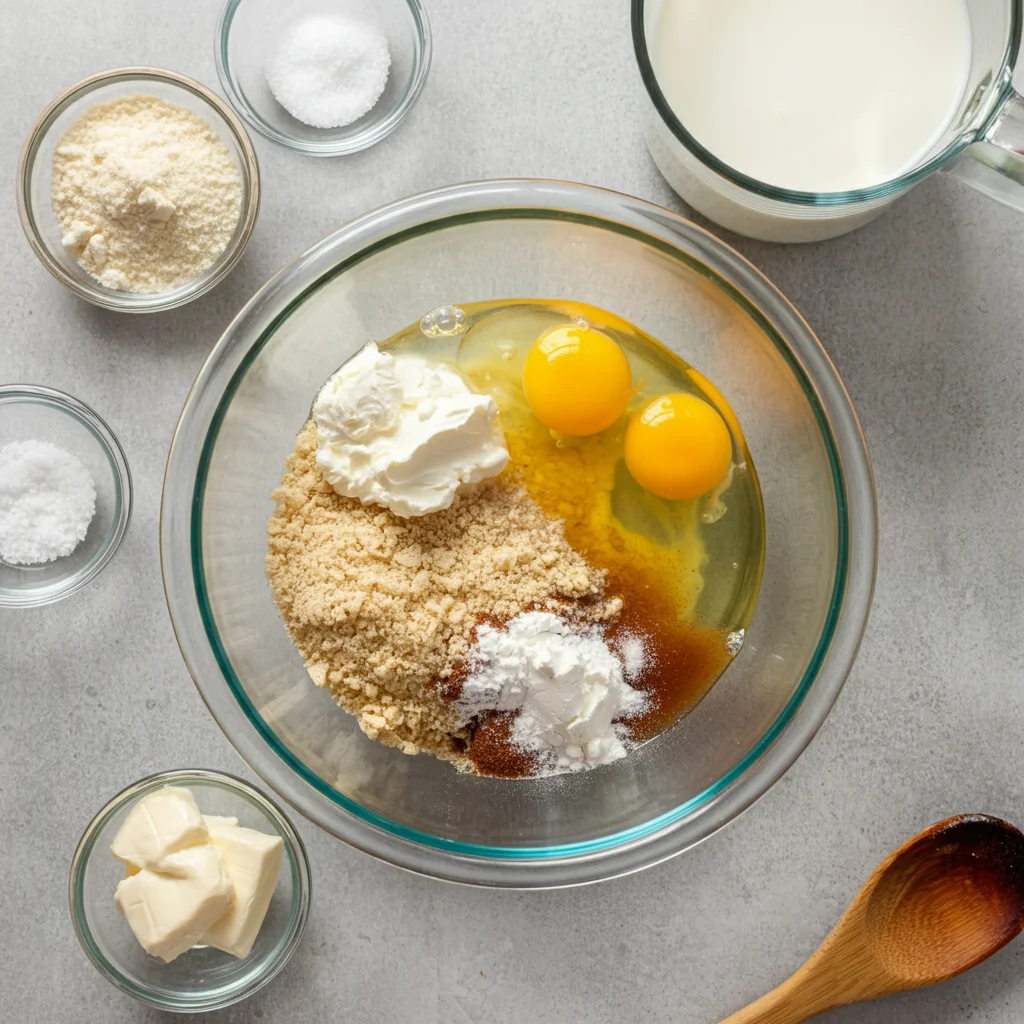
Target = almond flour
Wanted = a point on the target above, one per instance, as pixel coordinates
(146, 193)
(384, 609)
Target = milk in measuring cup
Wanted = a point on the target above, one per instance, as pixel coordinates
(815, 96)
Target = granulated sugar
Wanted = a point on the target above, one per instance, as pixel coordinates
(47, 501)
(382, 608)
(146, 193)
(328, 70)
(633, 652)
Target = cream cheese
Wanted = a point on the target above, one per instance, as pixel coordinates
(404, 433)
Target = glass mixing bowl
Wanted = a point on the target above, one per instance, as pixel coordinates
(495, 240)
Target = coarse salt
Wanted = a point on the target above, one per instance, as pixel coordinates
(328, 71)
(47, 501)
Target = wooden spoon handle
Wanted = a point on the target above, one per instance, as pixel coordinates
(800, 998)
(775, 1008)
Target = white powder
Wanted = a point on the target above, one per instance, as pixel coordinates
(147, 194)
(327, 70)
(47, 500)
(568, 688)
(633, 652)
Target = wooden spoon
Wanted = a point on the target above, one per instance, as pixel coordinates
(943, 902)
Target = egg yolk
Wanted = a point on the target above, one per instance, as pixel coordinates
(577, 380)
(678, 447)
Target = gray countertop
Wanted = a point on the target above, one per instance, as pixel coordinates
(922, 312)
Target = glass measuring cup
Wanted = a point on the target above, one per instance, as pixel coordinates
(983, 145)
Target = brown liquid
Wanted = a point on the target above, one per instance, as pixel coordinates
(681, 664)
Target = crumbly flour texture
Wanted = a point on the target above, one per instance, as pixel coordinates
(382, 608)
(146, 193)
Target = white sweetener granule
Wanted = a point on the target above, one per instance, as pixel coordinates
(327, 70)
(47, 501)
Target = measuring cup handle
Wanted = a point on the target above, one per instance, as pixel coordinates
(994, 164)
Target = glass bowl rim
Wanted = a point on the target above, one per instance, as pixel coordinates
(883, 190)
(301, 886)
(36, 394)
(371, 135)
(633, 848)
(133, 302)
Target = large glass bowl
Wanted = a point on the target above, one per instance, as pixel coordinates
(495, 240)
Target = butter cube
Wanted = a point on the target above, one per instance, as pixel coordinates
(215, 819)
(253, 862)
(169, 911)
(162, 823)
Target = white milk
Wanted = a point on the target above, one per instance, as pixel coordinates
(811, 95)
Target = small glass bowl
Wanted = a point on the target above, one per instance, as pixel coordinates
(248, 28)
(34, 182)
(28, 412)
(203, 978)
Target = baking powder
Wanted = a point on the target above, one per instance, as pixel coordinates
(566, 685)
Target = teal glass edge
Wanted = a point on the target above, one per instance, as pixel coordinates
(532, 852)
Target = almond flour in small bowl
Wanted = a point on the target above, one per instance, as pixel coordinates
(146, 194)
(138, 189)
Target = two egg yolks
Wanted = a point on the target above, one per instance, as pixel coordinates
(578, 382)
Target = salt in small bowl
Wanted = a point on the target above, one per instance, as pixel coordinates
(248, 31)
(31, 412)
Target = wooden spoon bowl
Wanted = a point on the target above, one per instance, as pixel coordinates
(940, 904)
(953, 896)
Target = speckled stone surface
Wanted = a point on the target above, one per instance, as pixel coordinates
(923, 312)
